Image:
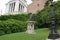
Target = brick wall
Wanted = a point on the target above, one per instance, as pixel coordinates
(36, 5)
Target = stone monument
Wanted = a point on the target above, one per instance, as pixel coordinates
(30, 25)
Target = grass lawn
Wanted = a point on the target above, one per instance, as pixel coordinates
(41, 34)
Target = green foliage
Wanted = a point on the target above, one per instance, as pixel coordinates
(21, 17)
(13, 23)
(12, 26)
(43, 17)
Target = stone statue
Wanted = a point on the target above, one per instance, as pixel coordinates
(31, 18)
(30, 24)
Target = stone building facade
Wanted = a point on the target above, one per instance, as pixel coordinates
(16, 6)
(36, 5)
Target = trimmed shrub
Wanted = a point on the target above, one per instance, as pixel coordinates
(12, 26)
(20, 17)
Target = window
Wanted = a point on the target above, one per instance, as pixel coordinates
(38, 5)
(13, 6)
(19, 7)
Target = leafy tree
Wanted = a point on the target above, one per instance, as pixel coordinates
(43, 17)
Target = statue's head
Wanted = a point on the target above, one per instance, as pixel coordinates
(30, 13)
(31, 16)
(48, 2)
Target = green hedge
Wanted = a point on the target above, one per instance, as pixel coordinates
(13, 23)
(20, 17)
(12, 26)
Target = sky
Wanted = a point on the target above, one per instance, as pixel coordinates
(3, 6)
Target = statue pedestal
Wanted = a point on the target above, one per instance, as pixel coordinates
(30, 27)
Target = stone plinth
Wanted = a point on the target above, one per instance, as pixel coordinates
(30, 27)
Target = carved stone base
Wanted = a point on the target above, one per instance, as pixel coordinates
(30, 27)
